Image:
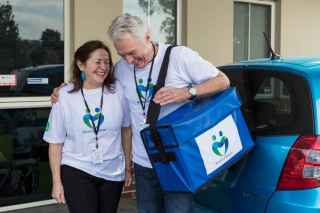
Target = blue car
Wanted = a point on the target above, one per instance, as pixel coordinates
(281, 104)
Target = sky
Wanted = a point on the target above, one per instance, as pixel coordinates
(34, 16)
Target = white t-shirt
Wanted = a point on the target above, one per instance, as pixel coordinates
(70, 124)
(185, 67)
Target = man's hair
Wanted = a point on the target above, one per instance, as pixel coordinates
(127, 23)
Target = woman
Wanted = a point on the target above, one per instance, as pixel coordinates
(84, 132)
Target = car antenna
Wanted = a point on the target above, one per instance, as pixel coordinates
(270, 50)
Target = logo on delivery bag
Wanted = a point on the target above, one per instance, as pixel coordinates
(220, 144)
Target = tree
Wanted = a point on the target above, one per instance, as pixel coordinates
(50, 38)
(8, 27)
(144, 5)
(9, 37)
(51, 48)
(38, 56)
(168, 25)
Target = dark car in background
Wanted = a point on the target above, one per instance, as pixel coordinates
(38, 80)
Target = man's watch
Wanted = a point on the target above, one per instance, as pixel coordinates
(193, 92)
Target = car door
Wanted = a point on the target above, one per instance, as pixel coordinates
(271, 108)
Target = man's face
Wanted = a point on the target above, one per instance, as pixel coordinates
(135, 51)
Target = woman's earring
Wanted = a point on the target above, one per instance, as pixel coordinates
(82, 76)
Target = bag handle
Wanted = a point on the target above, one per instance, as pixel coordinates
(154, 112)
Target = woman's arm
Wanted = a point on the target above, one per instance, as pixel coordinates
(127, 149)
(55, 153)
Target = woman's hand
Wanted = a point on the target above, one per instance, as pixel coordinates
(58, 193)
(126, 136)
(128, 176)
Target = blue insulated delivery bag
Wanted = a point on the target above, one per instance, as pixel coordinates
(193, 144)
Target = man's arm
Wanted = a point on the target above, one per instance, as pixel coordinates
(54, 97)
(211, 86)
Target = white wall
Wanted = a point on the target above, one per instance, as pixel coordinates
(300, 27)
(209, 26)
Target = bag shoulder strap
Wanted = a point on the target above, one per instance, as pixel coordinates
(154, 109)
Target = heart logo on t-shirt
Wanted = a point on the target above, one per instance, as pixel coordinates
(142, 90)
(87, 120)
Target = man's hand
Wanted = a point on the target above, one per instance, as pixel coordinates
(58, 192)
(54, 97)
(167, 95)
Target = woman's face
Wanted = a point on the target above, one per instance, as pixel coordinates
(96, 68)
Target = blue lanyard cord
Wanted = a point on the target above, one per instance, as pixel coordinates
(143, 102)
(95, 129)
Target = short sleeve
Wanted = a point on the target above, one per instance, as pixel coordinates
(55, 131)
(125, 106)
(126, 113)
(194, 66)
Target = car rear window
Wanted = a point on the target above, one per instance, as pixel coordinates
(276, 103)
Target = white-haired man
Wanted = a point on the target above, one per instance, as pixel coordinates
(188, 76)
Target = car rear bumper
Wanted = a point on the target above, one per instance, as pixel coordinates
(306, 201)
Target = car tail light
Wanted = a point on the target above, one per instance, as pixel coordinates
(302, 167)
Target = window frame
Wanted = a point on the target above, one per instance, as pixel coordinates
(44, 101)
(179, 21)
(273, 18)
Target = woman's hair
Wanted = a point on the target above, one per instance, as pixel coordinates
(82, 54)
(126, 23)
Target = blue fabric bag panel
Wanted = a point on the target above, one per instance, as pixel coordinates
(206, 137)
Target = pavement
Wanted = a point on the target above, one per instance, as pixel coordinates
(127, 205)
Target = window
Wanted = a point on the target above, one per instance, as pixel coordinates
(266, 89)
(32, 43)
(271, 101)
(34, 50)
(161, 16)
(251, 20)
(24, 168)
(271, 109)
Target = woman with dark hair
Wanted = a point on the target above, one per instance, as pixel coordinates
(89, 135)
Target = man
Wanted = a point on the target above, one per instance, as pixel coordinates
(188, 76)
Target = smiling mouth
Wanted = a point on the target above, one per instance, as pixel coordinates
(101, 74)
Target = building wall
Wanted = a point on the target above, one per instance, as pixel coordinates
(300, 31)
(297, 30)
(210, 29)
(92, 18)
(207, 26)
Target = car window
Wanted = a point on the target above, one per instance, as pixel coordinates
(272, 104)
(271, 100)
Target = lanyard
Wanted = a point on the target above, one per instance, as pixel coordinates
(143, 99)
(95, 129)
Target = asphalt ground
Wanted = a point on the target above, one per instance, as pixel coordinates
(127, 205)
